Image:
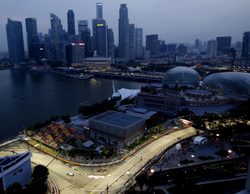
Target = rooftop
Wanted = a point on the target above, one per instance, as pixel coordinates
(116, 118)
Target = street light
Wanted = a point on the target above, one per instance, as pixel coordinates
(152, 170)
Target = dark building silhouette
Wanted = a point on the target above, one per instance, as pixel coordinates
(223, 45)
(182, 50)
(111, 42)
(15, 41)
(123, 32)
(71, 23)
(138, 43)
(245, 52)
(152, 45)
(35, 49)
(131, 42)
(57, 50)
(85, 36)
(100, 30)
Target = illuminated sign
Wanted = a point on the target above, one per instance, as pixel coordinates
(100, 25)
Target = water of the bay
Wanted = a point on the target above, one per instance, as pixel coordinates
(29, 97)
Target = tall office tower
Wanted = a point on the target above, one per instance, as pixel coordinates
(182, 50)
(211, 49)
(245, 52)
(75, 52)
(56, 38)
(15, 41)
(71, 23)
(34, 48)
(138, 43)
(152, 44)
(85, 36)
(223, 45)
(131, 42)
(123, 32)
(100, 30)
(111, 44)
(99, 12)
(197, 44)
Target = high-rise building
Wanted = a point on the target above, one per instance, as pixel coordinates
(152, 44)
(100, 31)
(35, 49)
(223, 45)
(75, 52)
(56, 38)
(245, 52)
(71, 23)
(85, 36)
(182, 50)
(15, 41)
(131, 42)
(123, 32)
(111, 42)
(171, 49)
(138, 43)
(197, 44)
(211, 49)
(99, 12)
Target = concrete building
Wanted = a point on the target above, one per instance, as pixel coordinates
(111, 44)
(15, 168)
(139, 43)
(245, 52)
(152, 45)
(123, 33)
(211, 49)
(15, 41)
(223, 45)
(85, 36)
(75, 52)
(116, 128)
(131, 42)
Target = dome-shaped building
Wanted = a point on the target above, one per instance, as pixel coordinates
(229, 82)
(181, 76)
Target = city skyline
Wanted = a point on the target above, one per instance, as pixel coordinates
(228, 19)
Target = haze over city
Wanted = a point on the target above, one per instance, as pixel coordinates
(174, 21)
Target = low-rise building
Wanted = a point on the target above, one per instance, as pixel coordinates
(15, 168)
(116, 129)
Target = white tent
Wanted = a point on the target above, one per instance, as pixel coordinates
(88, 143)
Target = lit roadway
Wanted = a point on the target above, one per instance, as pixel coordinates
(88, 179)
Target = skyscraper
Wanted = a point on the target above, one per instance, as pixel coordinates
(99, 13)
(211, 49)
(245, 52)
(197, 44)
(15, 41)
(223, 45)
(152, 44)
(56, 38)
(100, 30)
(123, 32)
(34, 48)
(71, 23)
(131, 42)
(85, 36)
(139, 43)
(111, 46)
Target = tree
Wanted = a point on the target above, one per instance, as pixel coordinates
(39, 179)
(15, 188)
(141, 180)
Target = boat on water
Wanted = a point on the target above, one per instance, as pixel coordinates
(81, 76)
